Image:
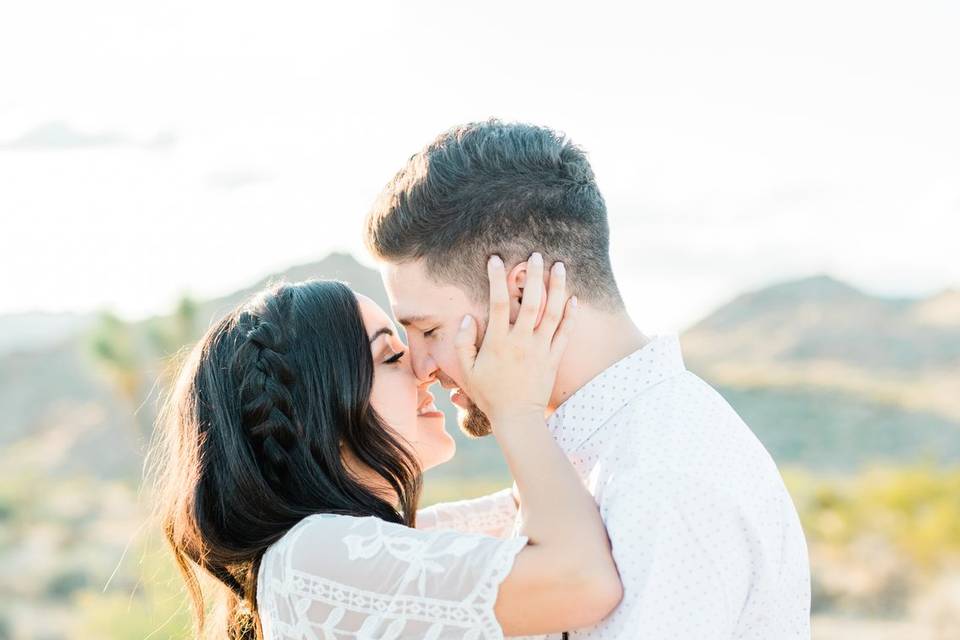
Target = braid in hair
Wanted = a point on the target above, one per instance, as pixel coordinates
(266, 380)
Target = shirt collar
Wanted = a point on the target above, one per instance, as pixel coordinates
(593, 404)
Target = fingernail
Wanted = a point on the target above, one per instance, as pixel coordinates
(536, 257)
(573, 301)
(465, 322)
(495, 260)
(558, 268)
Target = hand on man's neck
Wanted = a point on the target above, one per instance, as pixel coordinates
(599, 339)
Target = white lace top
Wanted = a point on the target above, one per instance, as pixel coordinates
(494, 515)
(333, 577)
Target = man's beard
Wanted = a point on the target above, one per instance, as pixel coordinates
(473, 421)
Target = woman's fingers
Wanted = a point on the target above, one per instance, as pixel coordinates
(556, 298)
(562, 336)
(515, 369)
(532, 294)
(499, 319)
(465, 343)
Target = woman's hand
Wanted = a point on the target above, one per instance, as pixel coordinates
(515, 369)
(566, 576)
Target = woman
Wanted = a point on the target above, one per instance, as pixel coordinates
(295, 440)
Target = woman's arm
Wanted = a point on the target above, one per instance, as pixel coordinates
(565, 577)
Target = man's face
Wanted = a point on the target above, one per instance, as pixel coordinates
(431, 314)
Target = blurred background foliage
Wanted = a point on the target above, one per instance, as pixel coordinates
(869, 448)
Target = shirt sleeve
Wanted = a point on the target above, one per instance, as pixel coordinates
(683, 548)
(340, 577)
(492, 514)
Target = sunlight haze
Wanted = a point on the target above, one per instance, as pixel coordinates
(151, 150)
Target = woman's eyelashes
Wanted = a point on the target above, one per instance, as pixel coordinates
(395, 358)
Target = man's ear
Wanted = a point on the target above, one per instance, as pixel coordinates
(516, 282)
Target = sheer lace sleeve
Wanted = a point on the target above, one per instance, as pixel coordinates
(493, 515)
(336, 577)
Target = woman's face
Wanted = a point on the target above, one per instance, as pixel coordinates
(398, 396)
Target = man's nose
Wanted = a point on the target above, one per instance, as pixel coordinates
(423, 365)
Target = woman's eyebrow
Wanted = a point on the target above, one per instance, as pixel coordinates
(380, 332)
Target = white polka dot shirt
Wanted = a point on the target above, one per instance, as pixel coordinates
(704, 534)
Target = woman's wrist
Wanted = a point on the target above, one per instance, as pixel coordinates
(520, 432)
(508, 418)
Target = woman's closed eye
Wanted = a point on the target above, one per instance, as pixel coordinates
(395, 358)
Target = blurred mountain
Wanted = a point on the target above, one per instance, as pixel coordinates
(826, 375)
(820, 319)
(39, 330)
(941, 310)
(830, 376)
(338, 266)
(64, 413)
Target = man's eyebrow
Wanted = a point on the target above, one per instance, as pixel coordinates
(380, 332)
(409, 320)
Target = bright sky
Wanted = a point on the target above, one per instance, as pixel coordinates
(148, 149)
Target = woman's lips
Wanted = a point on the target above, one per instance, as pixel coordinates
(429, 410)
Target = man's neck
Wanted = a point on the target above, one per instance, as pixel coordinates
(599, 340)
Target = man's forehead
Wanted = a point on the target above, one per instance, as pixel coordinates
(405, 274)
(407, 319)
(408, 278)
(417, 299)
(405, 291)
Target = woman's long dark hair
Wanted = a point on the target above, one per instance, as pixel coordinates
(249, 440)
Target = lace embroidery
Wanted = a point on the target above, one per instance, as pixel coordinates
(492, 514)
(387, 615)
(414, 551)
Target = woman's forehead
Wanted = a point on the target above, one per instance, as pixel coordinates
(374, 317)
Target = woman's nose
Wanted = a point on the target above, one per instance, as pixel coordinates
(425, 382)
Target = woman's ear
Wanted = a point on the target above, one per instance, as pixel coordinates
(516, 282)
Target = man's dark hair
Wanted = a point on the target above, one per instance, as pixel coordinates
(495, 187)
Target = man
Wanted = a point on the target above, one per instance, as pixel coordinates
(704, 534)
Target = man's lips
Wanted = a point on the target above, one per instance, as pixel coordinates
(460, 399)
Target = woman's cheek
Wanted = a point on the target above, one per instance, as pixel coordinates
(385, 400)
(403, 406)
